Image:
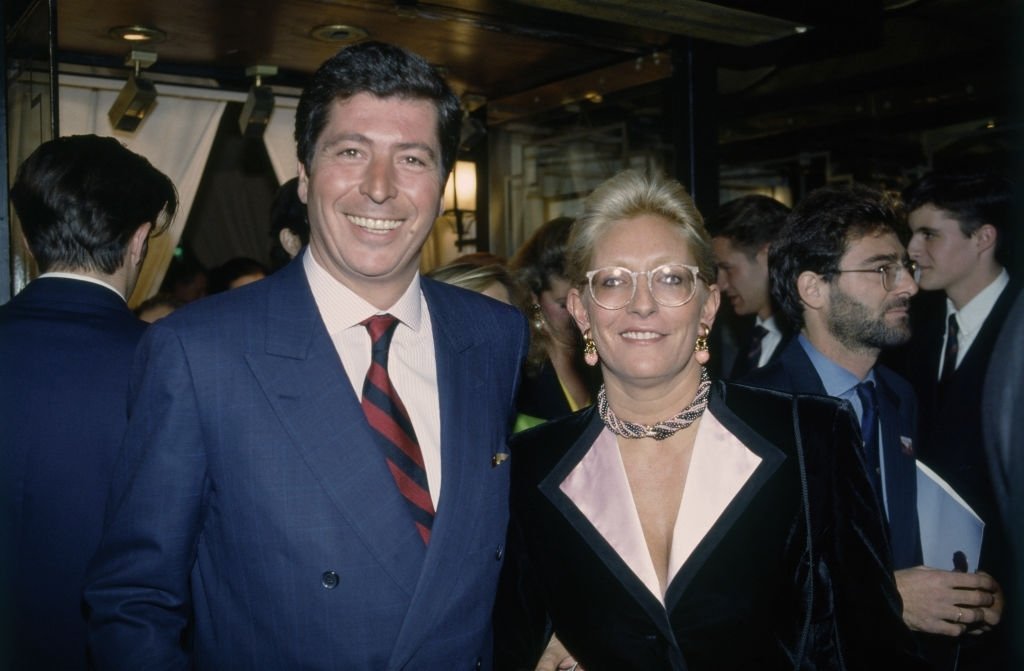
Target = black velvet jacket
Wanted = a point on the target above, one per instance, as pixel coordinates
(794, 575)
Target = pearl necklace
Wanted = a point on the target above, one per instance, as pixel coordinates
(661, 430)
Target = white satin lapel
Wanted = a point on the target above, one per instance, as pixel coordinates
(719, 467)
(598, 487)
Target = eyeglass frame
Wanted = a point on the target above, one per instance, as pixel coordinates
(903, 265)
(694, 270)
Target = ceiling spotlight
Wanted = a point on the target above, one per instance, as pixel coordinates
(138, 97)
(137, 34)
(259, 105)
(338, 33)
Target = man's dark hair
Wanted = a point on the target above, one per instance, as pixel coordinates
(972, 199)
(385, 71)
(817, 234)
(749, 222)
(80, 199)
(287, 211)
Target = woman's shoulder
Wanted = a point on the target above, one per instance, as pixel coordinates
(543, 445)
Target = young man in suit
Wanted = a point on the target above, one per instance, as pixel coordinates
(741, 233)
(300, 489)
(961, 224)
(841, 273)
(87, 207)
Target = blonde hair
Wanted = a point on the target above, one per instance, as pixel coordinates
(628, 195)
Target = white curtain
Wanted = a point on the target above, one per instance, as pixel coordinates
(176, 138)
(279, 138)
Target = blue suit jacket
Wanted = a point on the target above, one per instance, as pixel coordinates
(66, 349)
(253, 495)
(793, 372)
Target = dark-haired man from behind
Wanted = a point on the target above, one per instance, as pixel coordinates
(315, 472)
(87, 207)
(961, 224)
(841, 272)
(741, 232)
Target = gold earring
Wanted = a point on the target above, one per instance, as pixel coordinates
(589, 349)
(700, 348)
(538, 317)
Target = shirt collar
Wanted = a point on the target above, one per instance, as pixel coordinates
(341, 308)
(82, 278)
(837, 381)
(768, 324)
(973, 315)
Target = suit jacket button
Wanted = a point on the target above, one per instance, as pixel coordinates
(329, 580)
(479, 664)
(499, 552)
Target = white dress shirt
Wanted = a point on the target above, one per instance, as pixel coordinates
(971, 317)
(412, 366)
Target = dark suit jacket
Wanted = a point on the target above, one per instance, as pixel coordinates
(798, 561)
(254, 498)
(793, 372)
(66, 349)
(952, 445)
(1004, 442)
(951, 425)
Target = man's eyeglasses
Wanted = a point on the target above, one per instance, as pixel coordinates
(671, 285)
(892, 273)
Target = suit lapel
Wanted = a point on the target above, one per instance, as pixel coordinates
(307, 388)
(900, 474)
(466, 439)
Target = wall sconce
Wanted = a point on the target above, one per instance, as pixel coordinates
(259, 105)
(460, 202)
(138, 97)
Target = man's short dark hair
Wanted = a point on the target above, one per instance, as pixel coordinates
(385, 71)
(817, 234)
(972, 199)
(80, 199)
(749, 222)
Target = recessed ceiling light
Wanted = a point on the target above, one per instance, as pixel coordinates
(138, 34)
(338, 33)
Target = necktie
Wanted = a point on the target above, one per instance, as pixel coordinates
(752, 357)
(389, 419)
(869, 434)
(952, 349)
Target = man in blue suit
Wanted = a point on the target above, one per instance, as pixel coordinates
(261, 517)
(840, 270)
(86, 206)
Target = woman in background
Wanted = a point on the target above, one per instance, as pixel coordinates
(556, 382)
(680, 523)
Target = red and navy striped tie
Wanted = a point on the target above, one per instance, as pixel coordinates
(389, 419)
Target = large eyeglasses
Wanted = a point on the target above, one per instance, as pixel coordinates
(671, 285)
(892, 273)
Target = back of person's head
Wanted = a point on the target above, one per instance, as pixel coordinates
(289, 226)
(382, 70)
(542, 256)
(629, 195)
(972, 199)
(478, 273)
(81, 198)
(750, 222)
(818, 232)
(234, 273)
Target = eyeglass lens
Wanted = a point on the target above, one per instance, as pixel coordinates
(670, 285)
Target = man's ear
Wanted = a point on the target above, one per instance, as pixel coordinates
(290, 241)
(138, 245)
(302, 188)
(813, 290)
(574, 302)
(985, 237)
(762, 255)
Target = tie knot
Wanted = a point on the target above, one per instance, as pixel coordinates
(381, 328)
(759, 333)
(866, 393)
